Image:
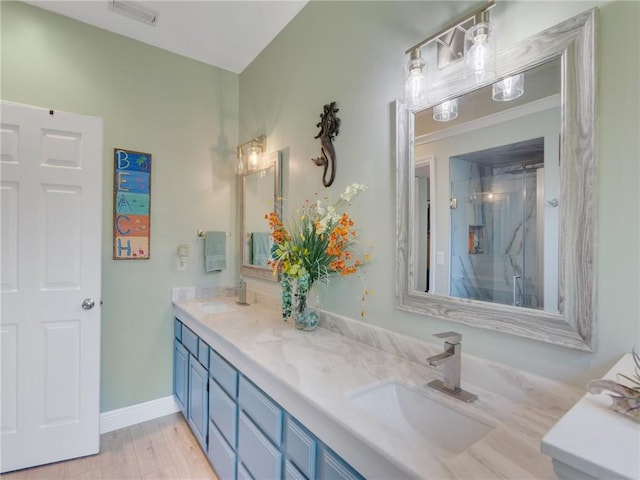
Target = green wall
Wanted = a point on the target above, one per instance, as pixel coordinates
(189, 115)
(184, 113)
(353, 53)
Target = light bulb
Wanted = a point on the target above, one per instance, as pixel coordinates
(415, 88)
(479, 54)
(254, 158)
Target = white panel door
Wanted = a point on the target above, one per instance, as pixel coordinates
(50, 247)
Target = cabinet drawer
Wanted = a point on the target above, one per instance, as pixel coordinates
(332, 467)
(177, 329)
(190, 340)
(223, 373)
(203, 353)
(258, 454)
(222, 457)
(301, 447)
(242, 472)
(292, 473)
(262, 410)
(223, 411)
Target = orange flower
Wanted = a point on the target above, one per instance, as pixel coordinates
(278, 232)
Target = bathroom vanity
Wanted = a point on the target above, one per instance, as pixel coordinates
(349, 401)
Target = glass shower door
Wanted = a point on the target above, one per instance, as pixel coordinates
(495, 244)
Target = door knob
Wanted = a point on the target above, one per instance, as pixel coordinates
(88, 303)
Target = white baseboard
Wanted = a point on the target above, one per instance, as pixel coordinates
(124, 417)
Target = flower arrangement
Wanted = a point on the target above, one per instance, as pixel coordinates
(319, 242)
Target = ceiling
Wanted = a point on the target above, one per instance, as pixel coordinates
(226, 34)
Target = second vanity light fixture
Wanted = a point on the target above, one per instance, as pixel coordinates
(470, 38)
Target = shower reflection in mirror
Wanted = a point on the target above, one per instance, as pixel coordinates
(484, 177)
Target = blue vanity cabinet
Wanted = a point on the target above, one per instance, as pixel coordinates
(245, 434)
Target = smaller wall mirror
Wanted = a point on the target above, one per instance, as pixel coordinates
(260, 193)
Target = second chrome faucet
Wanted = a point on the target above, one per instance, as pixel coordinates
(450, 361)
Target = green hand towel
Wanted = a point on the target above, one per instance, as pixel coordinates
(215, 251)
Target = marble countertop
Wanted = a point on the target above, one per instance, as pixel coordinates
(596, 440)
(312, 374)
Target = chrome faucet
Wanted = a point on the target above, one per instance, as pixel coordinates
(450, 360)
(242, 292)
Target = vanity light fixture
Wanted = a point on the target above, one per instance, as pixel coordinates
(446, 111)
(135, 11)
(509, 88)
(470, 38)
(250, 156)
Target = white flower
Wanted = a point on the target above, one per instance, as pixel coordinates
(330, 218)
(351, 191)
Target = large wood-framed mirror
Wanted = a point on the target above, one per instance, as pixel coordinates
(260, 193)
(496, 211)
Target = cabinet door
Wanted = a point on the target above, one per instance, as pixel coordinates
(180, 375)
(198, 403)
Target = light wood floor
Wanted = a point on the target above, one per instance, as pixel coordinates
(163, 448)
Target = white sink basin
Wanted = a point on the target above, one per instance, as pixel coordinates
(215, 307)
(419, 417)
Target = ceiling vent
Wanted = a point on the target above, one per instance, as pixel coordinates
(135, 11)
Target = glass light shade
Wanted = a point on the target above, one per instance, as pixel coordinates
(415, 87)
(480, 53)
(253, 160)
(446, 111)
(509, 88)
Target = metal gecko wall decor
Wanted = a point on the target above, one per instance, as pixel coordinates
(329, 128)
